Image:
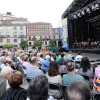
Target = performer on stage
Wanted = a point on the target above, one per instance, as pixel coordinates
(89, 43)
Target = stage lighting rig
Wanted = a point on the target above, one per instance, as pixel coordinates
(83, 12)
(88, 10)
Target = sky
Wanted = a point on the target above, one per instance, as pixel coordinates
(36, 10)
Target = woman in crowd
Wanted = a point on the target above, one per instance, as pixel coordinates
(96, 72)
(38, 89)
(85, 68)
(53, 74)
(26, 64)
(15, 92)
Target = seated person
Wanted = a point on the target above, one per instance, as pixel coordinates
(78, 90)
(34, 70)
(63, 68)
(69, 56)
(4, 75)
(15, 92)
(71, 76)
(38, 89)
(85, 68)
(78, 57)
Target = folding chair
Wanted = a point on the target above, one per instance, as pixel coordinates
(96, 95)
(55, 86)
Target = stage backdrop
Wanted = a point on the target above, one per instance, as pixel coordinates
(65, 34)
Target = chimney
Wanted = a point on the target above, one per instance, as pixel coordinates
(8, 13)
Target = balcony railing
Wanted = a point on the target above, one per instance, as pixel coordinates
(22, 36)
(2, 36)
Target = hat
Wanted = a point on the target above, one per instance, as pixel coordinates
(47, 57)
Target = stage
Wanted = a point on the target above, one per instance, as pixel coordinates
(93, 51)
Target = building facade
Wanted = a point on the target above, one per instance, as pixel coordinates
(12, 29)
(39, 31)
(57, 36)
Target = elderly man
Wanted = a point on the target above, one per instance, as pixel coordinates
(34, 70)
(4, 75)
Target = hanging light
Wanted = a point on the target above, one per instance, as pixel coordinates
(75, 16)
(97, 6)
(93, 7)
(88, 10)
(83, 12)
(79, 15)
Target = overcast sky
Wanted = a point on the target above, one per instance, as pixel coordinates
(36, 10)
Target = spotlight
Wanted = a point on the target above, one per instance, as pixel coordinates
(93, 7)
(83, 13)
(75, 17)
(97, 6)
(79, 15)
(88, 10)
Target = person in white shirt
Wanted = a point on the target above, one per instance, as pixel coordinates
(78, 57)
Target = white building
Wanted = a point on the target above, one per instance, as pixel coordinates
(12, 29)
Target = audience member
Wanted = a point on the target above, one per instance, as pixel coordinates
(62, 59)
(38, 89)
(63, 68)
(78, 57)
(46, 63)
(34, 70)
(71, 76)
(53, 74)
(26, 64)
(85, 68)
(15, 92)
(69, 56)
(57, 58)
(96, 72)
(4, 75)
(78, 90)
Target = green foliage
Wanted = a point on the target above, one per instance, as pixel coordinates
(24, 44)
(52, 43)
(8, 46)
(38, 43)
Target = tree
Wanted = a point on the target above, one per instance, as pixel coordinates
(38, 43)
(52, 43)
(8, 46)
(24, 44)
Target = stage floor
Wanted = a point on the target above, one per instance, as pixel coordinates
(89, 55)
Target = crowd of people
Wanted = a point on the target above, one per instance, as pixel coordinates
(42, 68)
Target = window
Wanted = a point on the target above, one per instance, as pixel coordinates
(8, 34)
(1, 40)
(15, 34)
(8, 40)
(21, 33)
(1, 28)
(14, 28)
(0, 33)
(21, 27)
(8, 28)
(15, 40)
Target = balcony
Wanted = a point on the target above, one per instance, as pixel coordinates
(15, 35)
(8, 36)
(22, 36)
(2, 36)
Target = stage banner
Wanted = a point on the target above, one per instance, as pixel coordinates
(65, 34)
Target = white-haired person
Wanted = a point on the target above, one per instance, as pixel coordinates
(46, 63)
(4, 75)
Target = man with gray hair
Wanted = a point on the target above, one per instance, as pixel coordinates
(34, 70)
(4, 75)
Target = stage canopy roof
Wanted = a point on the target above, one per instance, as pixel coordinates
(77, 5)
